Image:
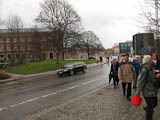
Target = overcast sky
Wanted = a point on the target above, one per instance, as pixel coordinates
(113, 21)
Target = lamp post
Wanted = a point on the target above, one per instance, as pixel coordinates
(157, 26)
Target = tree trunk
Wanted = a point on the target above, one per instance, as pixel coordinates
(88, 50)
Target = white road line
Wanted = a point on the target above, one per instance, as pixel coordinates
(73, 87)
(44, 96)
(85, 83)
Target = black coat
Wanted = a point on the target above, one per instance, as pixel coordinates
(157, 65)
(114, 69)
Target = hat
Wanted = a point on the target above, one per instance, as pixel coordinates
(126, 54)
(146, 59)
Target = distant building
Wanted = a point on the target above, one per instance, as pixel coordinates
(109, 52)
(125, 47)
(116, 50)
(143, 43)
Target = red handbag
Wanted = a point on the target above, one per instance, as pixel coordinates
(137, 100)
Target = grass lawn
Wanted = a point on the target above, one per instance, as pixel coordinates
(43, 66)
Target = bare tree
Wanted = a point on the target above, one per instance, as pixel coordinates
(15, 25)
(59, 17)
(149, 18)
(36, 45)
(71, 40)
(90, 40)
(149, 15)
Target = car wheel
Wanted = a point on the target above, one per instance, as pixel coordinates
(61, 75)
(84, 70)
(71, 72)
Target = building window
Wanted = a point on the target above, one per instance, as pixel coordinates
(1, 40)
(15, 55)
(9, 56)
(22, 39)
(23, 47)
(29, 39)
(30, 56)
(121, 45)
(1, 48)
(42, 46)
(8, 47)
(23, 55)
(7, 40)
(15, 40)
(29, 47)
(15, 47)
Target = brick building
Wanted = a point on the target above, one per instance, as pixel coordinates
(29, 44)
(24, 44)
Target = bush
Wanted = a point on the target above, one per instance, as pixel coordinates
(4, 75)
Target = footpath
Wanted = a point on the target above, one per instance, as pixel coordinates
(104, 103)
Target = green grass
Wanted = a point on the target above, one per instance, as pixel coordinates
(43, 66)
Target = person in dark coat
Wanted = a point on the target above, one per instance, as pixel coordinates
(156, 62)
(101, 59)
(114, 72)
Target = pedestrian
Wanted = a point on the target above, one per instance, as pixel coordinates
(156, 62)
(101, 59)
(137, 68)
(146, 84)
(108, 59)
(126, 74)
(114, 72)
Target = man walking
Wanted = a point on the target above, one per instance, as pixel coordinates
(114, 72)
(126, 74)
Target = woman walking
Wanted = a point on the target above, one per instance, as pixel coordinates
(146, 84)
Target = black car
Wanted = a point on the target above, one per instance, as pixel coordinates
(72, 68)
(92, 57)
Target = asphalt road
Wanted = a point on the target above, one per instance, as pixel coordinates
(22, 98)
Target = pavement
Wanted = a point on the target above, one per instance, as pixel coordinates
(104, 103)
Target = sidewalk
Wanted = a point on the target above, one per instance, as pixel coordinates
(38, 75)
(104, 103)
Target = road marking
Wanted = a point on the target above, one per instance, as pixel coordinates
(47, 95)
(73, 87)
(89, 82)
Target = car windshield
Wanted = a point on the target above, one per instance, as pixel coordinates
(68, 65)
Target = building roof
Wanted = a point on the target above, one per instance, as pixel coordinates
(24, 30)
